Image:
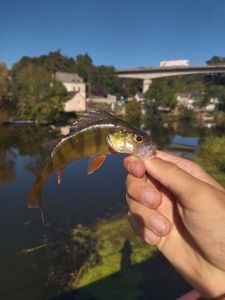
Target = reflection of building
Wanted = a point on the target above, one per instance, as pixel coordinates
(76, 88)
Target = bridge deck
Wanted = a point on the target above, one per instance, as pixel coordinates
(181, 69)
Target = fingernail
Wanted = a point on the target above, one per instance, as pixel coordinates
(149, 197)
(151, 237)
(158, 223)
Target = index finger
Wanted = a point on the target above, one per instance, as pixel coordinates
(135, 166)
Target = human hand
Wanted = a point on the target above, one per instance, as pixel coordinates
(175, 205)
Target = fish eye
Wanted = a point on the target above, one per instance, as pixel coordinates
(138, 139)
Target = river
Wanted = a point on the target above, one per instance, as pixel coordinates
(34, 258)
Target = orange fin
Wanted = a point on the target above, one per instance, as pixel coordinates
(95, 163)
(59, 173)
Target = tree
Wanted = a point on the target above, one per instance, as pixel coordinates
(38, 96)
(162, 91)
(52, 62)
(4, 85)
(216, 60)
(84, 66)
(104, 81)
(216, 91)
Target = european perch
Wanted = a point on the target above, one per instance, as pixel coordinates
(95, 135)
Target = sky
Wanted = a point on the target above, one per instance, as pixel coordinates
(121, 33)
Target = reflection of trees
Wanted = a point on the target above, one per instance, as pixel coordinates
(160, 134)
(28, 141)
(7, 163)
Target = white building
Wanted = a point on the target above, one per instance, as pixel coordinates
(76, 87)
(185, 100)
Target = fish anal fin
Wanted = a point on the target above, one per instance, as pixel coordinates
(49, 146)
(59, 173)
(95, 163)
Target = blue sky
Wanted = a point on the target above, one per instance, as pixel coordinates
(122, 33)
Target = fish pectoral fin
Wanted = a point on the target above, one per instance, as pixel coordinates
(59, 173)
(95, 163)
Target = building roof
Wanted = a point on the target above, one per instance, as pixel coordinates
(68, 77)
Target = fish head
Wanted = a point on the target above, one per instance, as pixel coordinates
(131, 141)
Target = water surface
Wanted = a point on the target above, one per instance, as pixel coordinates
(42, 271)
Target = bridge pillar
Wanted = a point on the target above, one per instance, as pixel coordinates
(146, 85)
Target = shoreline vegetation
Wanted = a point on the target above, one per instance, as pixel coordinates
(30, 91)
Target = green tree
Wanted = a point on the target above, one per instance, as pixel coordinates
(128, 87)
(104, 81)
(4, 85)
(163, 92)
(84, 66)
(216, 60)
(52, 62)
(133, 112)
(215, 91)
(38, 96)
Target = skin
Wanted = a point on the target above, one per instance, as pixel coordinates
(175, 205)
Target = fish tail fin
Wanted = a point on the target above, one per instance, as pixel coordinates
(34, 199)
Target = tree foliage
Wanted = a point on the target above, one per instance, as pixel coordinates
(216, 60)
(162, 91)
(38, 96)
(52, 62)
(4, 84)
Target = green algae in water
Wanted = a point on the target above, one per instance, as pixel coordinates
(113, 269)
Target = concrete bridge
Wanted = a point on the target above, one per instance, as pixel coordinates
(149, 73)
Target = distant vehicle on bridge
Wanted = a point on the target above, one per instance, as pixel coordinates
(174, 63)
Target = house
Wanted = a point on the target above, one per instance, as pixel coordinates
(185, 100)
(75, 87)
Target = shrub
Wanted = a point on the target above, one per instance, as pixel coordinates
(213, 149)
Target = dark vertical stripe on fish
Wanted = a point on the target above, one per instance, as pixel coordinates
(98, 140)
(80, 144)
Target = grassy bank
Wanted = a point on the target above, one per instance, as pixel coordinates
(212, 157)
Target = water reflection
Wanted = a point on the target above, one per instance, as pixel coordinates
(37, 260)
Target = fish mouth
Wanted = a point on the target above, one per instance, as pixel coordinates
(146, 151)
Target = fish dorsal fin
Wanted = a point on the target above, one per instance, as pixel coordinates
(49, 146)
(91, 118)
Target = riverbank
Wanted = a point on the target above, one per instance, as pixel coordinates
(186, 115)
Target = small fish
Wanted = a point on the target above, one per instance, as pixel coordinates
(95, 135)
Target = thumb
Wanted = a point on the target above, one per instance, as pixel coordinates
(182, 184)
